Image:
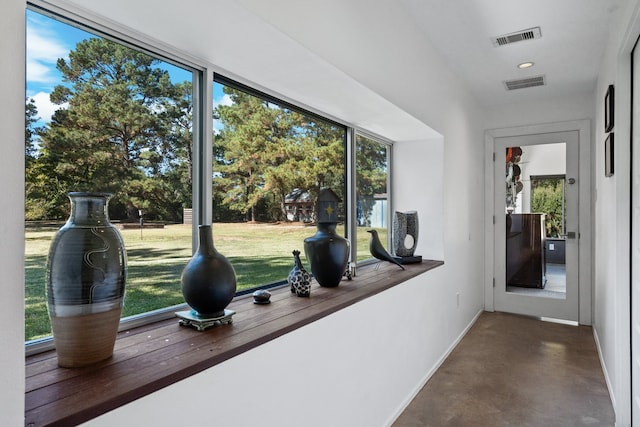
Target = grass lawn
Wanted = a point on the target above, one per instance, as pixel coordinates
(260, 254)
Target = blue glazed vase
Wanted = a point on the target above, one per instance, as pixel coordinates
(208, 280)
(85, 282)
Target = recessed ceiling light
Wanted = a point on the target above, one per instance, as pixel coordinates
(525, 65)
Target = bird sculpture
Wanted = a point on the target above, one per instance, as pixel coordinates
(378, 251)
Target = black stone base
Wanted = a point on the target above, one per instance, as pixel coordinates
(408, 259)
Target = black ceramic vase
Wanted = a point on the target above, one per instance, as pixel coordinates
(85, 282)
(208, 280)
(328, 254)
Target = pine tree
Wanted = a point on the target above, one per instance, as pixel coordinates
(265, 151)
(126, 128)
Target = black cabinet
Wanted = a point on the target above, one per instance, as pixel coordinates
(525, 255)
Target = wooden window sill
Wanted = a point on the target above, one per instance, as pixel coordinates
(57, 396)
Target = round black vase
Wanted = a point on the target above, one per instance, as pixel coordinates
(328, 255)
(85, 282)
(208, 280)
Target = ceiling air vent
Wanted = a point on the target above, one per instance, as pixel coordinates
(529, 34)
(523, 83)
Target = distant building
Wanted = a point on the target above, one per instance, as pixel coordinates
(372, 211)
(299, 206)
(379, 213)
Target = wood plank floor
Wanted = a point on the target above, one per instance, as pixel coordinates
(512, 370)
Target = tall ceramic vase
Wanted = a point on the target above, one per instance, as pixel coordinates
(86, 274)
(328, 255)
(327, 251)
(208, 280)
(405, 233)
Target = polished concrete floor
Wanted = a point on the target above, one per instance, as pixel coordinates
(513, 370)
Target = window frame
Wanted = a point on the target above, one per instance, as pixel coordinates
(204, 74)
(202, 129)
(354, 184)
(281, 102)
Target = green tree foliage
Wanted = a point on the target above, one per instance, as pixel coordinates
(31, 130)
(126, 130)
(123, 127)
(264, 151)
(547, 197)
(35, 206)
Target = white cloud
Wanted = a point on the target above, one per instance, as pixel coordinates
(38, 72)
(45, 107)
(217, 126)
(225, 100)
(43, 50)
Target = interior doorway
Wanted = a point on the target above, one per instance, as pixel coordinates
(537, 248)
(562, 290)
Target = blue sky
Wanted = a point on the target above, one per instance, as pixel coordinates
(48, 40)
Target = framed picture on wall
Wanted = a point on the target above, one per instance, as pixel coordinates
(608, 109)
(608, 155)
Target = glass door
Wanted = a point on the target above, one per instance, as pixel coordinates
(536, 217)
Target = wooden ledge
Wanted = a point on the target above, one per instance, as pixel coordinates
(59, 396)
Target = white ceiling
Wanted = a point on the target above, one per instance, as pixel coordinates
(316, 52)
(569, 53)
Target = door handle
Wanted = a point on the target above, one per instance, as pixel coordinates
(569, 235)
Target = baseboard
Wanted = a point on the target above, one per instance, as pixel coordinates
(612, 395)
(432, 371)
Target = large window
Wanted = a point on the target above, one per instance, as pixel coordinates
(103, 114)
(372, 198)
(271, 159)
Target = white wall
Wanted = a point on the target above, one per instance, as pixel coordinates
(12, 82)
(359, 366)
(416, 187)
(612, 240)
(353, 368)
(549, 111)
